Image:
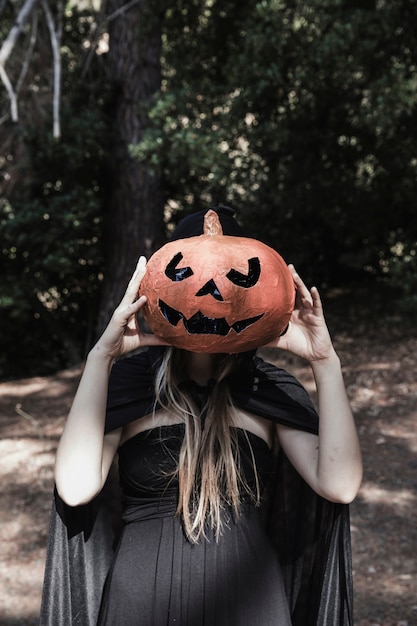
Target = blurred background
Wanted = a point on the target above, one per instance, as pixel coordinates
(118, 117)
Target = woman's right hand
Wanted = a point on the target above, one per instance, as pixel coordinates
(123, 334)
(84, 453)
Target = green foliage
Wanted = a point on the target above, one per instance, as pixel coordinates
(50, 228)
(303, 117)
(400, 268)
(51, 258)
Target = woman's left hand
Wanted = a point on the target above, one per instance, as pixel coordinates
(331, 465)
(307, 335)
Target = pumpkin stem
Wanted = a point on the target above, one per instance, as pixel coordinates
(212, 225)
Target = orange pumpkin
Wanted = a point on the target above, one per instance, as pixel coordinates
(217, 293)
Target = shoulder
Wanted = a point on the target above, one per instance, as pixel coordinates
(131, 390)
(270, 391)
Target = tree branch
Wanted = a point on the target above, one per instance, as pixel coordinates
(29, 52)
(122, 9)
(6, 50)
(10, 41)
(11, 93)
(95, 36)
(55, 33)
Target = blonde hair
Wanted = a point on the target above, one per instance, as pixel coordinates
(209, 472)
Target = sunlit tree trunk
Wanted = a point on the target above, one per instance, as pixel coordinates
(134, 223)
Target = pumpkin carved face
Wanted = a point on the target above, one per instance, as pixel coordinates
(217, 293)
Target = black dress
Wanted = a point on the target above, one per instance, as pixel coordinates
(158, 577)
(310, 534)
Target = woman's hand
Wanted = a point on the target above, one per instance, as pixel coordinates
(85, 453)
(123, 334)
(331, 464)
(307, 335)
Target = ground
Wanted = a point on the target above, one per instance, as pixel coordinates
(379, 357)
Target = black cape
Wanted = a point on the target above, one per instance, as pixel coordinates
(311, 534)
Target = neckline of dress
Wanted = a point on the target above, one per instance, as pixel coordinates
(148, 431)
(192, 384)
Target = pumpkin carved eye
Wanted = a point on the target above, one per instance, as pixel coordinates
(236, 293)
(175, 273)
(246, 280)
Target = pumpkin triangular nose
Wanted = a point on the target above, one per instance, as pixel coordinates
(210, 289)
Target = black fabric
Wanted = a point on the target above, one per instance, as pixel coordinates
(158, 574)
(311, 535)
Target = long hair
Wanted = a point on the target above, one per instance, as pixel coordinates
(209, 472)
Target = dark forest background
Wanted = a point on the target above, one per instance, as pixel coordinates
(118, 117)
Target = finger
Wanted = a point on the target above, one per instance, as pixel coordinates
(132, 309)
(126, 311)
(131, 292)
(138, 274)
(302, 292)
(135, 307)
(317, 303)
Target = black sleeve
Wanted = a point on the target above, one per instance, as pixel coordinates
(131, 388)
(269, 391)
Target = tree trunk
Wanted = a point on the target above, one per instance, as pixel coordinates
(134, 217)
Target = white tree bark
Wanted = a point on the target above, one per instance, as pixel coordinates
(29, 52)
(6, 50)
(55, 34)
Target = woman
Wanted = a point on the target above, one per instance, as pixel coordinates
(196, 435)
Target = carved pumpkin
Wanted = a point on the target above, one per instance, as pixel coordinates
(217, 293)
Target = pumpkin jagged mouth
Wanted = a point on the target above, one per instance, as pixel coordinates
(203, 325)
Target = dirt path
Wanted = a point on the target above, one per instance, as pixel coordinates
(381, 375)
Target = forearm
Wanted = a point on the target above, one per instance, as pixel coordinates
(84, 453)
(79, 458)
(339, 463)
